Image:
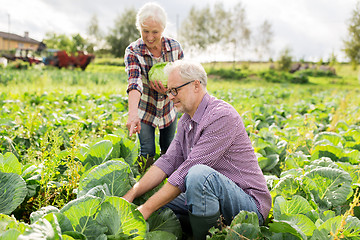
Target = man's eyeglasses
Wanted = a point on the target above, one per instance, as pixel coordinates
(174, 91)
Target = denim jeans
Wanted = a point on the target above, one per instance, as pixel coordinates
(147, 139)
(208, 192)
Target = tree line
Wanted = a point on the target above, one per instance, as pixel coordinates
(204, 29)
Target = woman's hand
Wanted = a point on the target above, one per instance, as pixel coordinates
(158, 86)
(133, 124)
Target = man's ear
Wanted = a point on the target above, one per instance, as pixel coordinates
(197, 85)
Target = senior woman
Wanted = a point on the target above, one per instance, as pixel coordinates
(149, 106)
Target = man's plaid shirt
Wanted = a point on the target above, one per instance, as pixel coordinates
(154, 108)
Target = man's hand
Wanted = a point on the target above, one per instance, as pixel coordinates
(165, 195)
(158, 86)
(129, 196)
(145, 212)
(152, 178)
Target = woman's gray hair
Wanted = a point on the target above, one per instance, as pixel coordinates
(188, 71)
(151, 10)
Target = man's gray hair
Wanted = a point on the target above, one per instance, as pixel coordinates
(188, 71)
(153, 11)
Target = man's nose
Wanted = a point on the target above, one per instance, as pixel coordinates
(171, 97)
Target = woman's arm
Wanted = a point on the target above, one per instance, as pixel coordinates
(133, 122)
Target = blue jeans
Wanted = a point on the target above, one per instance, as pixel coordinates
(147, 139)
(208, 192)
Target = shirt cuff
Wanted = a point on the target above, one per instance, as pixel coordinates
(133, 86)
(177, 181)
(165, 166)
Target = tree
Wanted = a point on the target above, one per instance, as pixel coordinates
(123, 33)
(220, 26)
(263, 39)
(285, 59)
(59, 42)
(213, 28)
(95, 35)
(93, 29)
(195, 31)
(63, 42)
(78, 43)
(239, 32)
(352, 44)
(204, 29)
(332, 59)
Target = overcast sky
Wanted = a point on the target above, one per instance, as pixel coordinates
(312, 29)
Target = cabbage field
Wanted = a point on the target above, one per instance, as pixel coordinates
(66, 158)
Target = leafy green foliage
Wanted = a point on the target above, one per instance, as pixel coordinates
(275, 76)
(81, 214)
(330, 187)
(121, 219)
(115, 176)
(285, 59)
(296, 205)
(97, 154)
(165, 221)
(12, 192)
(10, 228)
(44, 228)
(18, 64)
(72, 142)
(9, 163)
(237, 74)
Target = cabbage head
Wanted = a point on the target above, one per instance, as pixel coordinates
(157, 73)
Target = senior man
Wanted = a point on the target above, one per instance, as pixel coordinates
(211, 166)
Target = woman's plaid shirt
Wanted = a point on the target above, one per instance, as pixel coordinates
(154, 108)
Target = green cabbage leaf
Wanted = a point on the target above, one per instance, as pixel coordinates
(157, 73)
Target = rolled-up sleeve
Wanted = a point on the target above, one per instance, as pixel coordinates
(208, 150)
(173, 157)
(133, 69)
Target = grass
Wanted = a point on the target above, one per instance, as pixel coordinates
(108, 76)
(70, 81)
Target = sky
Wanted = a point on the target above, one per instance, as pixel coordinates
(311, 29)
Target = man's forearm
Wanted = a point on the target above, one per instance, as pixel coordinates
(152, 178)
(165, 195)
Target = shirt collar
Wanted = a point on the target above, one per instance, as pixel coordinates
(145, 51)
(166, 44)
(201, 108)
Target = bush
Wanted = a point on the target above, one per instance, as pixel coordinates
(285, 60)
(317, 72)
(299, 77)
(18, 64)
(274, 76)
(228, 73)
(110, 61)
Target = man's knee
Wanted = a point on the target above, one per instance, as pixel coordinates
(197, 175)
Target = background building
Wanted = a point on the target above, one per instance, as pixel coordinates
(10, 41)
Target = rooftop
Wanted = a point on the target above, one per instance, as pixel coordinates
(15, 37)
